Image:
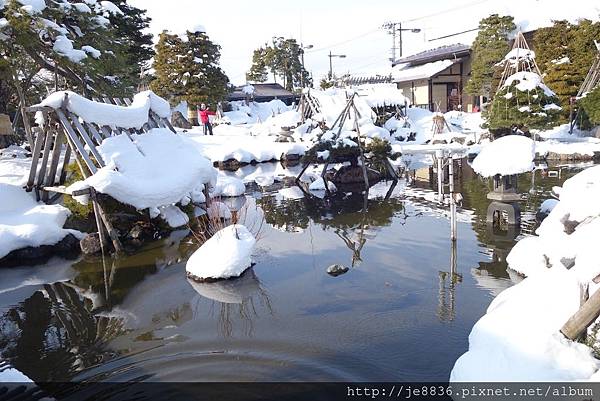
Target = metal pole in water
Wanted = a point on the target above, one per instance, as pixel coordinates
(452, 200)
(439, 154)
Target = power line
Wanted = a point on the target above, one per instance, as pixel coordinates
(446, 11)
(453, 34)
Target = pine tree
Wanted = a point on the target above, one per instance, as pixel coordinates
(565, 52)
(258, 71)
(591, 106)
(282, 59)
(187, 69)
(516, 107)
(489, 48)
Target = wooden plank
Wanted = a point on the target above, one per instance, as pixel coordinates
(583, 318)
(51, 176)
(84, 171)
(47, 146)
(61, 189)
(83, 133)
(75, 141)
(66, 160)
(41, 137)
(107, 131)
(94, 131)
(107, 100)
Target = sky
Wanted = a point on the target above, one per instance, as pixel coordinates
(346, 27)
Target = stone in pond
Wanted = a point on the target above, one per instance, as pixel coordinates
(336, 270)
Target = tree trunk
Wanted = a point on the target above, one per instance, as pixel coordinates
(192, 115)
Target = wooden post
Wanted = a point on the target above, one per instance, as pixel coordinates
(453, 226)
(577, 325)
(439, 154)
(111, 231)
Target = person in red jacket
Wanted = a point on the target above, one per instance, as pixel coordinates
(203, 115)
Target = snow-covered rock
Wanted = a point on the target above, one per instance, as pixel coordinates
(319, 185)
(226, 254)
(512, 154)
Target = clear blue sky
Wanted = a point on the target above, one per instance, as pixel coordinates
(348, 27)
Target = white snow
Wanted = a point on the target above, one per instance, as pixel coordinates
(134, 116)
(218, 210)
(64, 46)
(226, 254)
(291, 193)
(228, 186)
(518, 55)
(110, 8)
(528, 81)
(319, 185)
(518, 339)
(95, 53)
(512, 154)
(547, 205)
(33, 6)
(25, 222)
(12, 375)
(174, 216)
(380, 95)
(159, 168)
(402, 73)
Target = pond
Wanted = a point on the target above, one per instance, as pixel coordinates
(402, 312)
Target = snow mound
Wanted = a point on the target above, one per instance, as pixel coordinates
(159, 168)
(133, 116)
(228, 186)
(528, 81)
(25, 223)
(319, 185)
(518, 339)
(512, 154)
(381, 95)
(226, 254)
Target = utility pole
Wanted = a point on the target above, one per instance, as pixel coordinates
(302, 48)
(395, 28)
(330, 63)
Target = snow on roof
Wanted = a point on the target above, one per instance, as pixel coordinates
(425, 71)
(528, 81)
(437, 53)
(512, 154)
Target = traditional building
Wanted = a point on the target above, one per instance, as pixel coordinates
(434, 79)
(264, 93)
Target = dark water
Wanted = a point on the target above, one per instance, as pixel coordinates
(403, 311)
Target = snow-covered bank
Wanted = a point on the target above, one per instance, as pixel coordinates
(518, 339)
(27, 223)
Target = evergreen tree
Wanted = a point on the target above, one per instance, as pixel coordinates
(188, 69)
(523, 103)
(282, 59)
(591, 106)
(565, 53)
(58, 44)
(258, 71)
(489, 48)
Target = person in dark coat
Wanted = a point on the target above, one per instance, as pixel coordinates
(203, 115)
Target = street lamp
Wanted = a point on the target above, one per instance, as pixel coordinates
(400, 30)
(302, 48)
(396, 27)
(330, 64)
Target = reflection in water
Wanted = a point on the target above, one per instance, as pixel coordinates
(138, 317)
(234, 298)
(447, 288)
